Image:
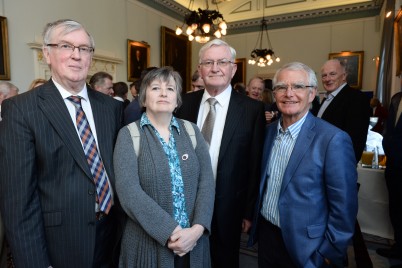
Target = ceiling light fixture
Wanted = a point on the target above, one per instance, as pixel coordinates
(201, 24)
(263, 56)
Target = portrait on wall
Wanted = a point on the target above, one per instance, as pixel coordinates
(176, 52)
(137, 59)
(4, 55)
(240, 75)
(354, 66)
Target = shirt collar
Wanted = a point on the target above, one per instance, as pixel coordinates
(333, 94)
(293, 129)
(223, 98)
(145, 121)
(65, 94)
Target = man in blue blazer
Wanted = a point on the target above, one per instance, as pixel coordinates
(48, 195)
(307, 202)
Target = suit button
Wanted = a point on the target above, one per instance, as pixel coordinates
(91, 191)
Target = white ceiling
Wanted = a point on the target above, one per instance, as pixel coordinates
(245, 15)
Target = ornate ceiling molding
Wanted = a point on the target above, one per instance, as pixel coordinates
(354, 11)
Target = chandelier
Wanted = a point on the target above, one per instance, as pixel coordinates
(263, 56)
(200, 25)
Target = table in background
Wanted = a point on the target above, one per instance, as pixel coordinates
(373, 215)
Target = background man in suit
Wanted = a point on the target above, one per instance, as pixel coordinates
(49, 200)
(7, 90)
(102, 82)
(348, 109)
(235, 148)
(392, 144)
(308, 193)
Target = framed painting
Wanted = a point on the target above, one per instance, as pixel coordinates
(176, 52)
(4, 55)
(354, 66)
(398, 42)
(138, 54)
(240, 75)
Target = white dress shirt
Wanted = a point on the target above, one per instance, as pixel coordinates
(328, 99)
(86, 106)
(221, 107)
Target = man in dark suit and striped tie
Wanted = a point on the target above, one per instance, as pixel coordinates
(56, 176)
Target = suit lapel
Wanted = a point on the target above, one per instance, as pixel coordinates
(339, 98)
(268, 144)
(303, 142)
(101, 112)
(54, 108)
(235, 110)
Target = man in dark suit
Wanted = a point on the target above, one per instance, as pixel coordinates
(345, 107)
(348, 109)
(307, 202)
(392, 144)
(49, 200)
(235, 148)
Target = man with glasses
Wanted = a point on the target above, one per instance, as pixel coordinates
(307, 203)
(56, 176)
(348, 109)
(233, 126)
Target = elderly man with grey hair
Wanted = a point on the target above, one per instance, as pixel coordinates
(7, 90)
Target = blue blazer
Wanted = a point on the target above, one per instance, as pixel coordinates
(318, 197)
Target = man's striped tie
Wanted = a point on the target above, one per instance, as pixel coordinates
(104, 197)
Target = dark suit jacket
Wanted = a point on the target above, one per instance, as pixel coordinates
(132, 112)
(392, 141)
(319, 220)
(47, 193)
(350, 111)
(239, 160)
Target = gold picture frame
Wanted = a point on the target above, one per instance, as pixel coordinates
(4, 55)
(176, 52)
(354, 66)
(240, 75)
(398, 42)
(138, 54)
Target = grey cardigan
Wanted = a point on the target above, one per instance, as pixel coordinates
(143, 186)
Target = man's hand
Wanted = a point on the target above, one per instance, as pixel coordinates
(246, 225)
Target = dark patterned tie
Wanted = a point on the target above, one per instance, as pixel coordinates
(209, 122)
(104, 197)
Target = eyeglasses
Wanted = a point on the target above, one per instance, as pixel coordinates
(220, 63)
(294, 87)
(70, 48)
(330, 75)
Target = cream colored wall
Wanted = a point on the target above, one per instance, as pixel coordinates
(311, 45)
(112, 22)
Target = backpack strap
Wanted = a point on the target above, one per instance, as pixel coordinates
(135, 135)
(190, 130)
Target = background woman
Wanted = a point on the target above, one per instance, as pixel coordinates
(168, 190)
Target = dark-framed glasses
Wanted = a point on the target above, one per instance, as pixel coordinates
(70, 48)
(294, 87)
(220, 63)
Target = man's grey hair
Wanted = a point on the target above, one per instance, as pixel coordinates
(6, 87)
(298, 66)
(68, 26)
(216, 42)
